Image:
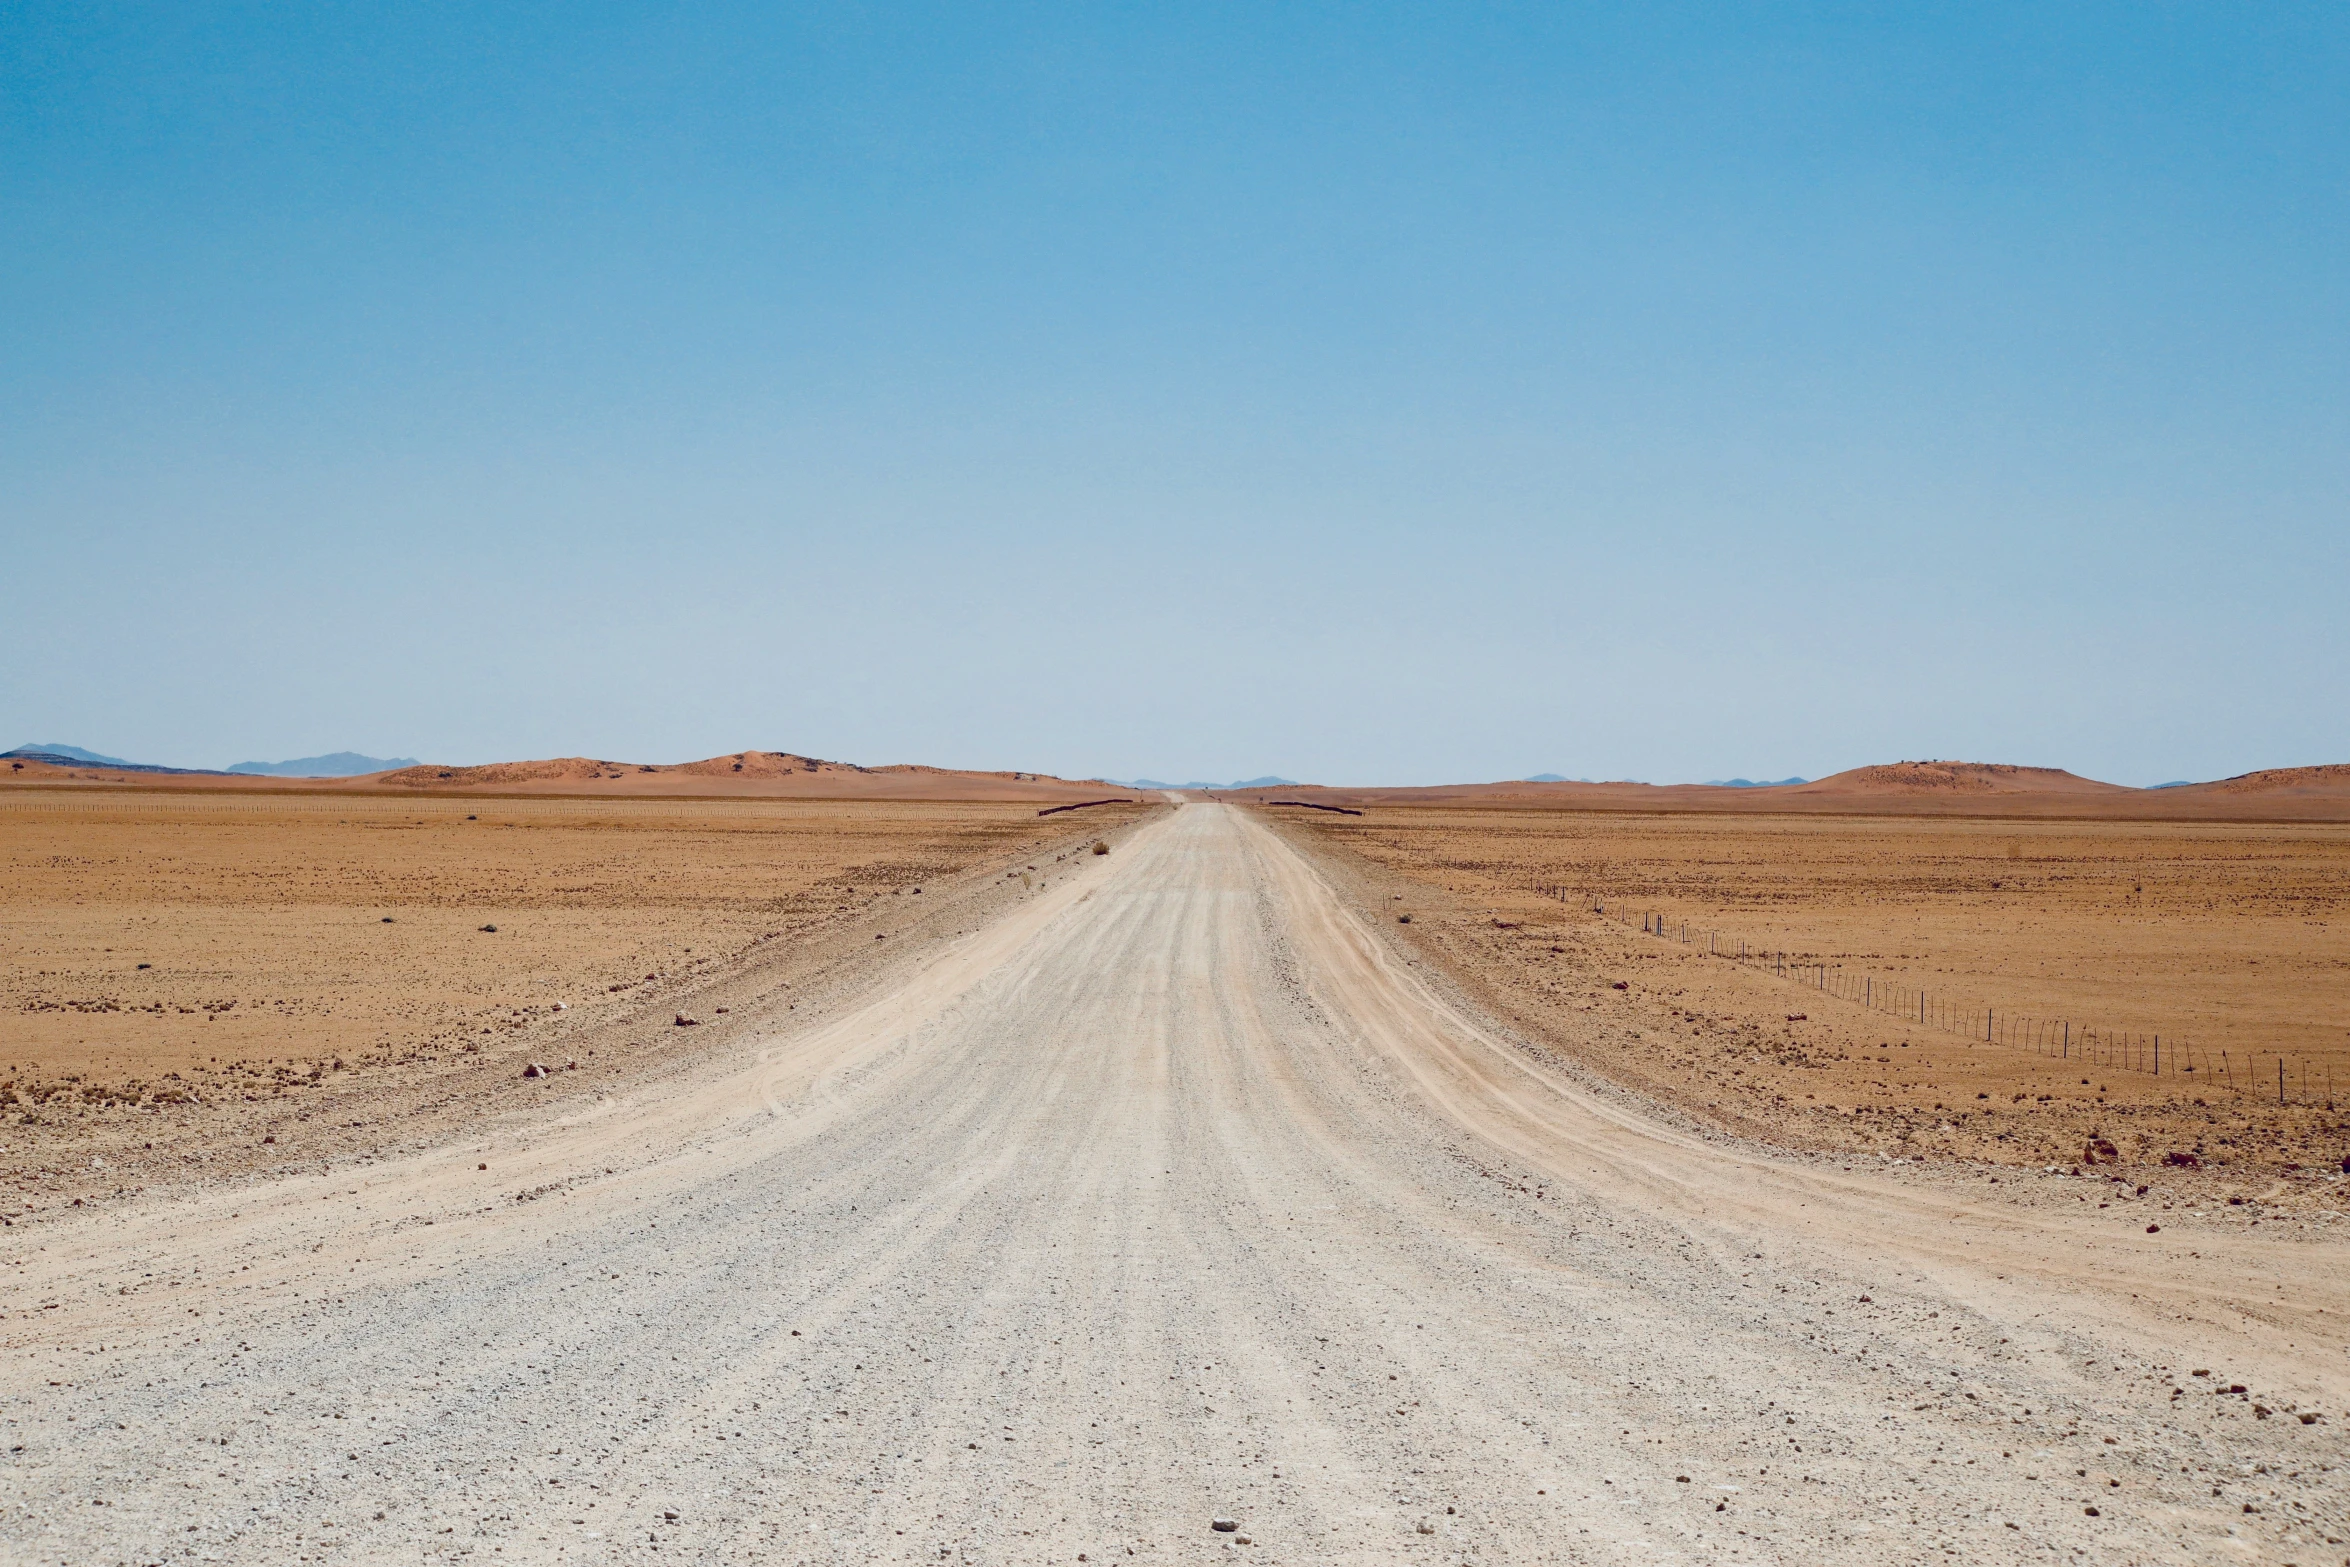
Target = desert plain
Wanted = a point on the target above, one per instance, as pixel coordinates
(584, 1162)
(174, 951)
(2084, 940)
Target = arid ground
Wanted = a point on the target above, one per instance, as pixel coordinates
(169, 952)
(1168, 1203)
(2230, 940)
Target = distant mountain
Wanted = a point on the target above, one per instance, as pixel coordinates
(75, 756)
(71, 753)
(2175, 783)
(341, 764)
(1753, 783)
(335, 764)
(1267, 782)
(1553, 778)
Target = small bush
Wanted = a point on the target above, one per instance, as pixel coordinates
(1100, 847)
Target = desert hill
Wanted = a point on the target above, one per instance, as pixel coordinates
(2332, 779)
(741, 774)
(1891, 789)
(2319, 793)
(1956, 778)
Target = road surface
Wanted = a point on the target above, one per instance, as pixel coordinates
(1174, 1195)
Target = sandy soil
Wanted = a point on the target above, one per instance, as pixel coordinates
(164, 953)
(2230, 937)
(1173, 1191)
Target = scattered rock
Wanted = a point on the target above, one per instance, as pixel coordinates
(534, 1070)
(490, 930)
(1423, 1527)
(688, 1022)
(1621, 984)
(2153, 1229)
(1223, 1525)
(2184, 1160)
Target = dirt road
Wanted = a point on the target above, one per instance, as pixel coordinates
(1173, 1195)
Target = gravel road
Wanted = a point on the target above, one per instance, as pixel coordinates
(1173, 1195)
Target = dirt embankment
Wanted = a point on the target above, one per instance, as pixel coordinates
(185, 978)
(2240, 936)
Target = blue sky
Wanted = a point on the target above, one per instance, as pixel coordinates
(1359, 393)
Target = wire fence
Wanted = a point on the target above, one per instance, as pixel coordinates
(2283, 1077)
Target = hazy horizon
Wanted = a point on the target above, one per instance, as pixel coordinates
(1140, 778)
